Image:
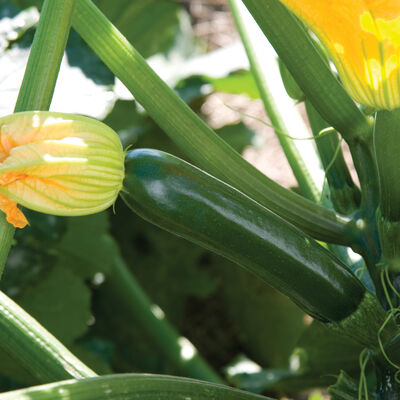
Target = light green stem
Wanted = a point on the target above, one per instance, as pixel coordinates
(39, 80)
(345, 195)
(25, 340)
(45, 57)
(199, 141)
(279, 107)
(123, 287)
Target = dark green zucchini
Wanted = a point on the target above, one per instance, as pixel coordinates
(186, 201)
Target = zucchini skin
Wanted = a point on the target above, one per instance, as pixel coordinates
(190, 203)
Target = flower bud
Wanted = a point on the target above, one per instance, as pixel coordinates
(57, 164)
(363, 39)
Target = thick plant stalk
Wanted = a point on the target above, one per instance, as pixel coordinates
(279, 107)
(123, 287)
(36, 349)
(387, 146)
(198, 141)
(131, 386)
(40, 78)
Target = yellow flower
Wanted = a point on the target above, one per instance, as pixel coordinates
(363, 40)
(58, 164)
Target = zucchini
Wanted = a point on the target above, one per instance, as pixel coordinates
(190, 203)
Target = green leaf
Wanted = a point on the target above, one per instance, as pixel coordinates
(346, 388)
(87, 247)
(157, 257)
(28, 3)
(273, 379)
(239, 82)
(317, 360)
(150, 25)
(116, 387)
(263, 316)
(183, 62)
(91, 359)
(13, 23)
(321, 353)
(60, 302)
(238, 136)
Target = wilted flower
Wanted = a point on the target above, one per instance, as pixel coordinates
(363, 40)
(58, 164)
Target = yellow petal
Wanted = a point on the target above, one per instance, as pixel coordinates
(13, 214)
(58, 163)
(363, 39)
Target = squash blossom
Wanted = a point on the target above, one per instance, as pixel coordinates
(362, 38)
(58, 164)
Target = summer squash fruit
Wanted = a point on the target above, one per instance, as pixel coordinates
(190, 203)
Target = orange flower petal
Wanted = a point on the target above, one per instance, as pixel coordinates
(13, 214)
(363, 39)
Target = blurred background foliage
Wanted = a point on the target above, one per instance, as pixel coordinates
(58, 267)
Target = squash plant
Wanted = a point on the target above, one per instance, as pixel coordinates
(292, 242)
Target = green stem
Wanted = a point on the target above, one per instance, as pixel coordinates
(367, 244)
(296, 48)
(131, 386)
(345, 195)
(122, 285)
(279, 107)
(199, 141)
(387, 146)
(35, 348)
(39, 80)
(45, 57)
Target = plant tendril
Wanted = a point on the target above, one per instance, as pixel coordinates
(321, 133)
(363, 386)
(391, 314)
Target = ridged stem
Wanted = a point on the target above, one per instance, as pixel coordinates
(124, 386)
(345, 195)
(25, 340)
